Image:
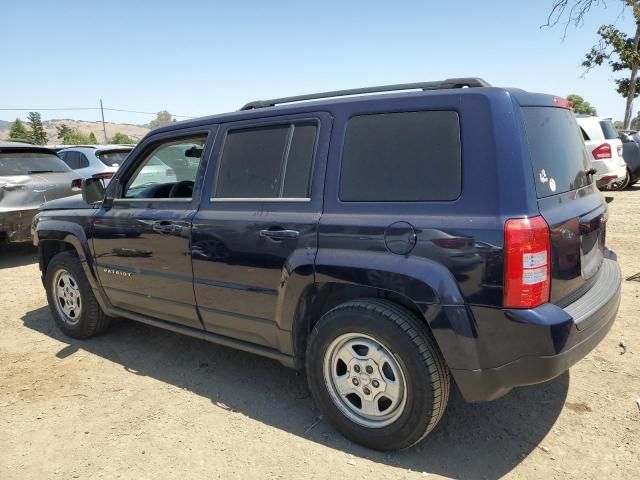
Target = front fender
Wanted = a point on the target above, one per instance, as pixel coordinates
(72, 233)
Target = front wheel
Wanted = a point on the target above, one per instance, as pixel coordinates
(73, 305)
(377, 374)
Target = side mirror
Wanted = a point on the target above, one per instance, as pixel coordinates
(93, 190)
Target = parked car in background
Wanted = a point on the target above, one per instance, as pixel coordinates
(389, 243)
(29, 176)
(631, 153)
(605, 149)
(98, 161)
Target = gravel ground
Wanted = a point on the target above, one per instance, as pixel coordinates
(140, 403)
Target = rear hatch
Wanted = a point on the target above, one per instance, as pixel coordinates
(29, 178)
(568, 200)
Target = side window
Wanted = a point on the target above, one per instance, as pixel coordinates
(83, 161)
(402, 157)
(168, 171)
(268, 162)
(72, 159)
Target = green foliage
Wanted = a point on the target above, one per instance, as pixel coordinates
(635, 122)
(92, 139)
(37, 134)
(580, 105)
(72, 136)
(162, 118)
(120, 138)
(615, 49)
(18, 131)
(618, 125)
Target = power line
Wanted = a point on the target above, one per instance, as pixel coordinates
(88, 108)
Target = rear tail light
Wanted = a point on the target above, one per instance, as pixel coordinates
(76, 184)
(171, 172)
(602, 151)
(527, 262)
(103, 176)
(562, 103)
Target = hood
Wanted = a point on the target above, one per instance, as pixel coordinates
(69, 203)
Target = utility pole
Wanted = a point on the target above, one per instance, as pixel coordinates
(104, 129)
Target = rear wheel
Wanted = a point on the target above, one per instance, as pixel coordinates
(622, 184)
(73, 305)
(377, 374)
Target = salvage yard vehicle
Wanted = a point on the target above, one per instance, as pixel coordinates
(29, 176)
(99, 161)
(389, 240)
(602, 142)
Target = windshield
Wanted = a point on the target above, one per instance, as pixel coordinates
(558, 154)
(26, 163)
(608, 129)
(113, 158)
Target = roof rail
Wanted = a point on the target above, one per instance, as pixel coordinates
(438, 85)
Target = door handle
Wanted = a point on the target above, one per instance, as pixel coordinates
(279, 234)
(166, 227)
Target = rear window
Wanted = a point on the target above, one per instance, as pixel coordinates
(112, 158)
(608, 129)
(402, 157)
(27, 163)
(558, 155)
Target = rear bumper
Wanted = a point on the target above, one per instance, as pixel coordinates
(16, 226)
(548, 339)
(609, 171)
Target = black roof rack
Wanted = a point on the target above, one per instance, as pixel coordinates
(438, 85)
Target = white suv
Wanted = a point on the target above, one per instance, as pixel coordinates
(602, 142)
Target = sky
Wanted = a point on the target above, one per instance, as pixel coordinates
(197, 58)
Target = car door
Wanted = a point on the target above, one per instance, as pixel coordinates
(255, 235)
(142, 242)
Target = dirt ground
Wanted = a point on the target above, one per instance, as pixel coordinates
(143, 403)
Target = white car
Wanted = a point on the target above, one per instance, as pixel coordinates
(97, 161)
(602, 142)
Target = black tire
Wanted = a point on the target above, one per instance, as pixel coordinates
(622, 184)
(91, 319)
(413, 348)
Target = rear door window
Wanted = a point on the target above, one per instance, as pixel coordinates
(402, 157)
(558, 154)
(267, 162)
(608, 129)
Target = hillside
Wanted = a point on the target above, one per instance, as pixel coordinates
(136, 132)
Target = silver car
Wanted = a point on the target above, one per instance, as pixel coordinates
(29, 176)
(97, 161)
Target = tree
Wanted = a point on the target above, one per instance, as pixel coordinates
(92, 139)
(616, 48)
(580, 105)
(18, 131)
(37, 135)
(618, 125)
(162, 118)
(120, 138)
(72, 136)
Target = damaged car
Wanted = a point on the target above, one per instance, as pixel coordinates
(29, 176)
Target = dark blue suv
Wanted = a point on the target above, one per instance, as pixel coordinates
(389, 243)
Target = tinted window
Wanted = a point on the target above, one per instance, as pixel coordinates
(401, 157)
(84, 161)
(171, 164)
(267, 162)
(608, 129)
(73, 159)
(558, 154)
(26, 163)
(112, 158)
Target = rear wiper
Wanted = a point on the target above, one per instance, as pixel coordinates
(41, 171)
(591, 171)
